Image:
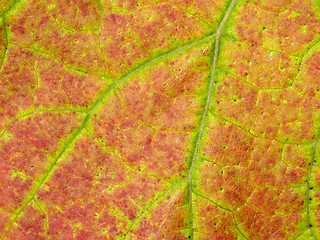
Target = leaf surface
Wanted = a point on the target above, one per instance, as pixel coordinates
(150, 119)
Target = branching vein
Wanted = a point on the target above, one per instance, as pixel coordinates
(206, 109)
(83, 125)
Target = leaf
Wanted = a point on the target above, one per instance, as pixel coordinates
(148, 119)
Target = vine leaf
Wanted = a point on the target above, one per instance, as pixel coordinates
(153, 119)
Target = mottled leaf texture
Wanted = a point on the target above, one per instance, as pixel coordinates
(160, 119)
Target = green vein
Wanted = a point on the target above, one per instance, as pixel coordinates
(5, 38)
(195, 15)
(45, 176)
(151, 204)
(255, 135)
(302, 58)
(146, 64)
(48, 54)
(85, 120)
(313, 160)
(26, 114)
(206, 109)
(307, 197)
(10, 7)
(225, 209)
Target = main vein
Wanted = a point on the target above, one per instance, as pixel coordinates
(206, 109)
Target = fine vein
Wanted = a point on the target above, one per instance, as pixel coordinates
(309, 176)
(206, 109)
